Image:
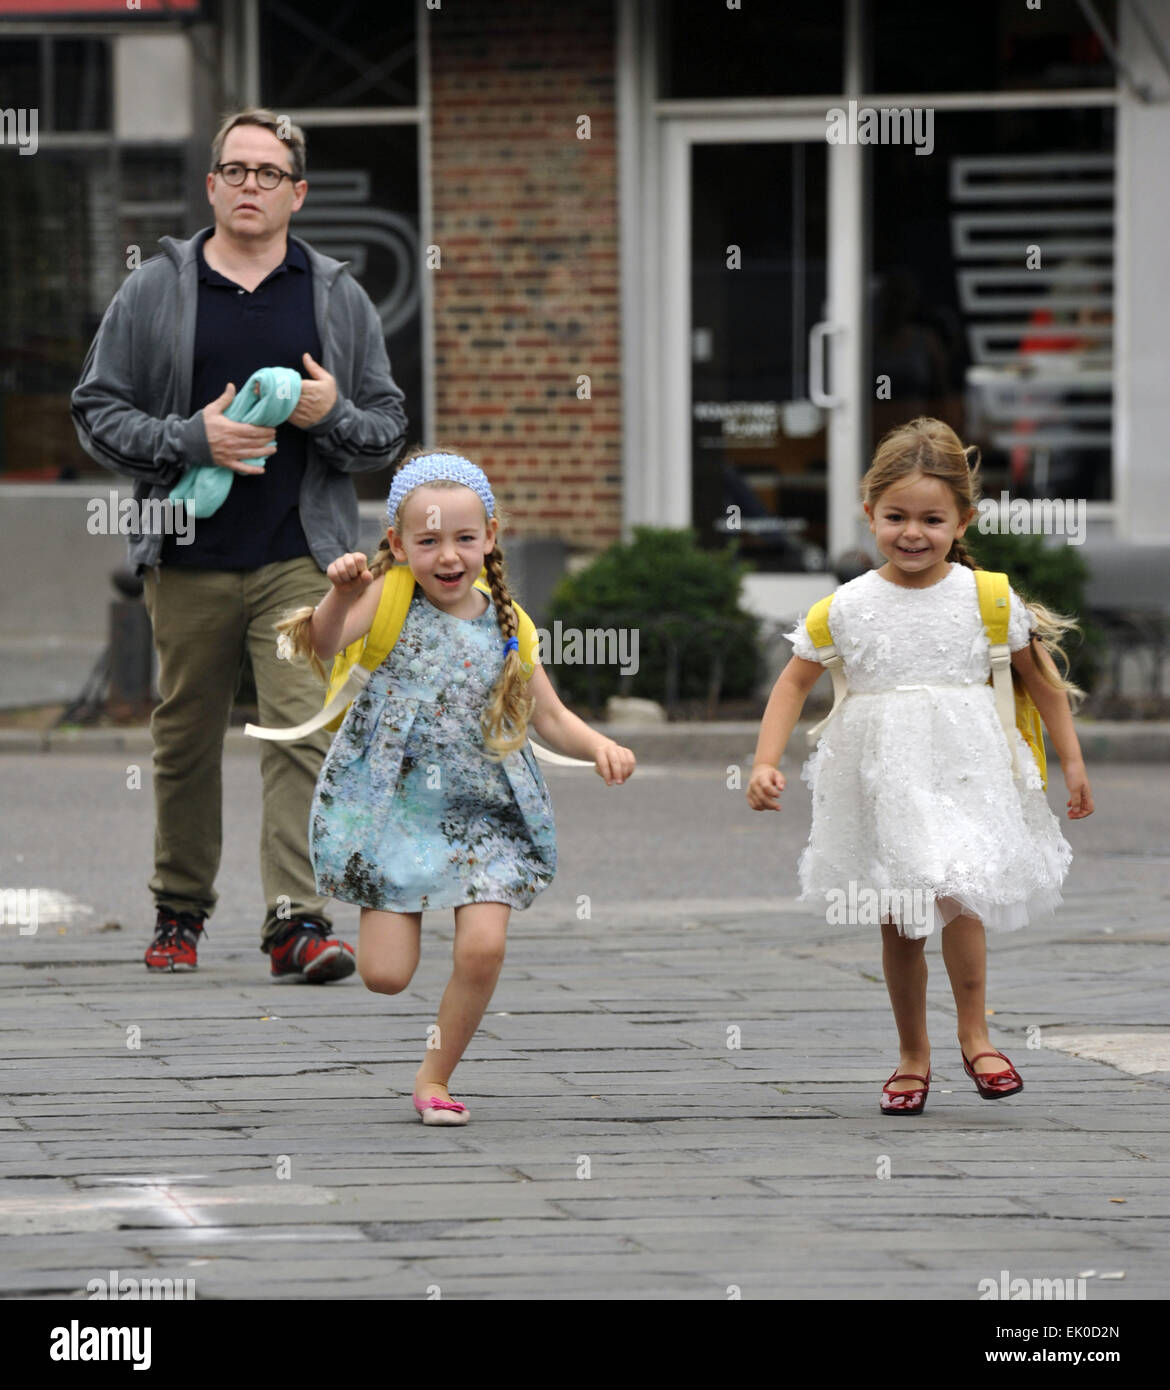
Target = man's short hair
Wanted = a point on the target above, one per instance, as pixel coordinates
(291, 136)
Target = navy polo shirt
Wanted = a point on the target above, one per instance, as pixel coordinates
(236, 333)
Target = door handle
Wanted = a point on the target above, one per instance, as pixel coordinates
(816, 364)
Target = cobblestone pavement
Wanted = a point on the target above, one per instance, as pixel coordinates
(674, 1096)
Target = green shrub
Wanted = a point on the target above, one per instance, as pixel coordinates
(1053, 575)
(694, 640)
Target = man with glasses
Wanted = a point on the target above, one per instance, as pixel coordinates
(181, 336)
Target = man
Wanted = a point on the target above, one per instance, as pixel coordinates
(181, 336)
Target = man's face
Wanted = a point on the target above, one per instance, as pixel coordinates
(249, 211)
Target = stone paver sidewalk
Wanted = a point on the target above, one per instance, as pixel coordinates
(675, 1096)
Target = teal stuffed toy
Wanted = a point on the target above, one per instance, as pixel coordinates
(269, 397)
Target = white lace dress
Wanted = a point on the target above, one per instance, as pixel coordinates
(915, 812)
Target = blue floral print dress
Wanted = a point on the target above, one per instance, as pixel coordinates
(409, 813)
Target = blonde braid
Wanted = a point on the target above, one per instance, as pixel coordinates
(383, 558)
(296, 624)
(509, 708)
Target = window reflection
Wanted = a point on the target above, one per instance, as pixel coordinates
(758, 285)
(992, 294)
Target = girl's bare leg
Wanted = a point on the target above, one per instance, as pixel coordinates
(388, 947)
(964, 949)
(480, 938)
(904, 966)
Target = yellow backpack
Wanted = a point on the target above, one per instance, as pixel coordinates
(1015, 707)
(355, 664)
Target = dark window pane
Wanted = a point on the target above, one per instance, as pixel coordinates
(347, 54)
(992, 263)
(81, 84)
(153, 175)
(152, 203)
(21, 68)
(362, 207)
(985, 46)
(59, 244)
(793, 49)
(758, 281)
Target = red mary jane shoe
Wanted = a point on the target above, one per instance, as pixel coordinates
(905, 1102)
(992, 1085)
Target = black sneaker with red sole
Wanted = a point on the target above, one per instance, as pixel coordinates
(176, 940)
(306, 950)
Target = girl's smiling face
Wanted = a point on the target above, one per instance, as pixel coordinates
(444, 538)
(915, 523)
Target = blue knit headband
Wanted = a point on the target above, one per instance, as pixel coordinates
(431, 468)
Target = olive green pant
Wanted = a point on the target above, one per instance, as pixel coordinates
(204, 621)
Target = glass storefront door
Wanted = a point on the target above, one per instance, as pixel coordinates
(758, 383)
(758, 285)
(814, 290)
(817, 295)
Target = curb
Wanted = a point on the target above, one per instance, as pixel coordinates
(726, 743)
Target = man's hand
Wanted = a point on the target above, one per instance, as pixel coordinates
(318, 395)
(232, 442)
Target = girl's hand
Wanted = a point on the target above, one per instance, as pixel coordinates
(1080, 795)
(764, 789)
(350, 574)
(614, 763)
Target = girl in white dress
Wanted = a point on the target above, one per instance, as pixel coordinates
(918, 821)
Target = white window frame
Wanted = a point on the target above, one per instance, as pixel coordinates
(655, 204)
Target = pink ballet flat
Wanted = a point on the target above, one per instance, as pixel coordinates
(442, 1112)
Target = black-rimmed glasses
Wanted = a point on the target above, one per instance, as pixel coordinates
(267, 175)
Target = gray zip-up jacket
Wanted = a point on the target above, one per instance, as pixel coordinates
(130, 406)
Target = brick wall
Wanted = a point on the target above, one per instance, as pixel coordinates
(525, 216)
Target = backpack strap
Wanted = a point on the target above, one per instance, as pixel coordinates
(817, 624)
(393, 606)
(994, 610)
(355, 664)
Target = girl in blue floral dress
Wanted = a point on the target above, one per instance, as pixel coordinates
(430, 796)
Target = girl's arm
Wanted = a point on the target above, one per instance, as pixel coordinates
(347, 610)
(1057, 716)
(784, 707)
(565, 733)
